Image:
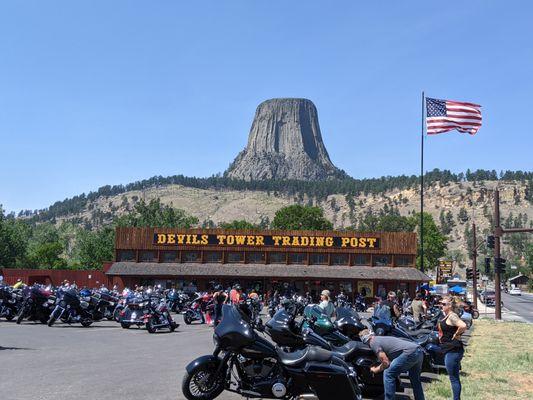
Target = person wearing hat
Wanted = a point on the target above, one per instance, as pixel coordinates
(326, 304)
(396, 356)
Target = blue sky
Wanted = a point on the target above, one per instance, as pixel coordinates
(101, 92)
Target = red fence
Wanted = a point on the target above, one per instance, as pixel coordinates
(90, 279)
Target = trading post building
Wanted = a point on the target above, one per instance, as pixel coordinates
(308, 261)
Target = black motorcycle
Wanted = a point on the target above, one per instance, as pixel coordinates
(38, 303)
(134, 311)
(245, 363)
(72, 308)
(177, 301)
(10, 302)
(158, 316)
(287, 332)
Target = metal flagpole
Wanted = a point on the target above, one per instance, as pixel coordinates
(422, 190)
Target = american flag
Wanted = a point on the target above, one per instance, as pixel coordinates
(446, 115)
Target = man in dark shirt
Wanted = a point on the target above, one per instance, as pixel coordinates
(396, 356)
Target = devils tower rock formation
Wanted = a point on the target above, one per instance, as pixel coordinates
(284, 143)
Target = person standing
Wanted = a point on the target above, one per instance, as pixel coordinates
(451, 327)
(388, 309)
(219, 297)
(326, 304)
(419, 307)
(396, 356)
(235, 294)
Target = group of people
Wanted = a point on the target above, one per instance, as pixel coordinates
(398, 355)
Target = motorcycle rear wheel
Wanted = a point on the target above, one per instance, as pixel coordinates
(86, 322)
(125, 325)
(187, 319)
(195, 386)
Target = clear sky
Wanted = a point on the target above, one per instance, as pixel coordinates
(109, 92)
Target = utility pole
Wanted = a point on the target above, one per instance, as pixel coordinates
(499, 263)
(497, 255)
(474, 266)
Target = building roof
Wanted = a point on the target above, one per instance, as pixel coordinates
(518, 276)
(267, 270)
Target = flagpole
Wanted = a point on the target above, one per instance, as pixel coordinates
(422, 189)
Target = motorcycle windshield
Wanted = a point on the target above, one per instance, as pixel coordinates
(344, 312)
(233, 331)
(313, 310)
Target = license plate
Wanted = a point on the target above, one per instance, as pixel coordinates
(51, 301)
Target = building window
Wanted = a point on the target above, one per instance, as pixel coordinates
(169, 256)
(298, 258)
(278, 258)
(148, 256)
(339, 259)
(255, 257)
(235, 257)
(403, 261)
(191, 256)
(213, 256)
(361, 259)
(126, 255)
(381, 261)
(318, 258)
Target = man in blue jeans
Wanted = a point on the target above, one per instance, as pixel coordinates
(396, 356)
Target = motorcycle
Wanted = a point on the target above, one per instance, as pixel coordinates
(10, 302)
(72, 308)
(158, 316)
(360, 304)
(317, 330)
(194, 312)
(37, 304)
(134, 311)
(177, 300)
(247, 364)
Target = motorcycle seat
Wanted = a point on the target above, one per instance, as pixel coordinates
(419, 332)
(311, 353)
(352, 349)
(422, 341)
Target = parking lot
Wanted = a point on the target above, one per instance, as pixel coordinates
(101, 362)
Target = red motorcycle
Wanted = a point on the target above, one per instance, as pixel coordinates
(202, 304)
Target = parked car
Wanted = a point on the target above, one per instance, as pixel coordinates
(488, 297)
(516, 291)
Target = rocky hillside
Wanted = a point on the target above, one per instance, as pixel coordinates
(284, 143)
(443, 201)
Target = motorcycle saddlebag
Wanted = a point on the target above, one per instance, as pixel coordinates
(330, 381)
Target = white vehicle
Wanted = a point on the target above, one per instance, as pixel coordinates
(515, 291)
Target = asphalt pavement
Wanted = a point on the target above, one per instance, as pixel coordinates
(519, 305)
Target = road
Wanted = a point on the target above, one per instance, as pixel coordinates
(521, 305)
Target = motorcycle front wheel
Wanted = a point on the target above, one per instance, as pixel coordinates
(86, 323)
(475, 314)
(150, 326)
(20, 315)
(201, 384)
